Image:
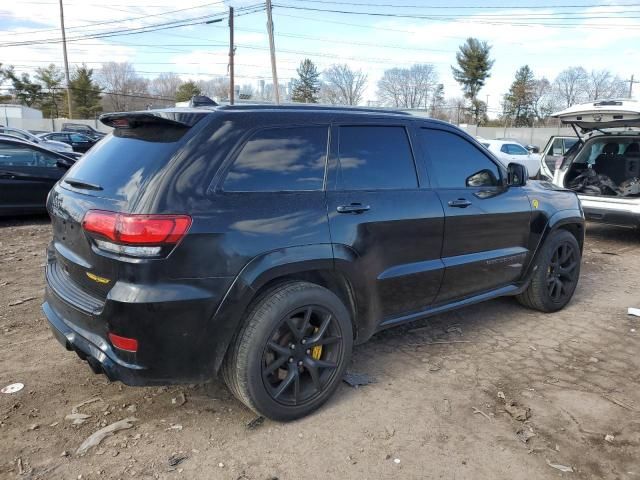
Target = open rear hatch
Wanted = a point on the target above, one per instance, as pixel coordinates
(608, 164)
(601, 115)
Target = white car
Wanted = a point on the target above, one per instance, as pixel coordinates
(604, 170)
(30, 137)
(509, 151)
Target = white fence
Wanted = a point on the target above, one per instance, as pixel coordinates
(528, 136)
(49, 124)
(536, 136)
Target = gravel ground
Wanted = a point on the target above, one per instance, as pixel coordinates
(491, 391)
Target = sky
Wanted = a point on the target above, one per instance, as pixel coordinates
(548, 35)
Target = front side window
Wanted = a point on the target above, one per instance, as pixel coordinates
(513, 149)
(456, 162)
(375, 157)
(19, 156)
(76, 137)
(280, 159)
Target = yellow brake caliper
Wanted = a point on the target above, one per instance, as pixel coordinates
(316, 351)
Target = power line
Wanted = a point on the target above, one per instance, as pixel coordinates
(121, 20)
(467, 19)
(201, 20)
(466, 7)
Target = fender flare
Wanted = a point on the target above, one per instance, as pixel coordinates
(557, 221)
(259, 271)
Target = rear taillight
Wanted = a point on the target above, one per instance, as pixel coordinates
(135, 235)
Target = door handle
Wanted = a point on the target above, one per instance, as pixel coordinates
(459, 203)
(353, 208)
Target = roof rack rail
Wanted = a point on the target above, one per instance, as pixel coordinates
(306, 106)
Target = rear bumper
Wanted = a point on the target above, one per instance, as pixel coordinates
(611, 212)
(98, 355)
(174, 325)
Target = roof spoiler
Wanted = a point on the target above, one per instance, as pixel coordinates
(151, 117)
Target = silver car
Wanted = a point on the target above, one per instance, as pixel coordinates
(604, 169)
(30, 137)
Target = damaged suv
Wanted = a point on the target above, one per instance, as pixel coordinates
(262, 242)
(604, 167)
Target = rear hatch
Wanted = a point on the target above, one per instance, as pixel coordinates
(112, 181)
(602, 115)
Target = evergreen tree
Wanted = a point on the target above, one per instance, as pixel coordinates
(307, 86)
(26, 91)
(85, 93)
(473, 69)
(187, 90)
(53, 99)
(519, 101)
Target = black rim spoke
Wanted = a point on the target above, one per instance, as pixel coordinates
(561, 272)
(294, 328)
(325, 341)
(275, 365)
(278, 348)
(302, 356)
(286, 383)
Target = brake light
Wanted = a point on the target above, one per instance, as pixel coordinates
(124, 343)
(137, 235)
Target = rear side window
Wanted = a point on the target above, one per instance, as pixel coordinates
(124, 162)
(456, 162)
(280, 159)
(375, 157)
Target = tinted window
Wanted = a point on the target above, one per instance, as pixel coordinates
(557, 148)
(514, 149)
(127, 160)
(76, 137)
(375, 157)
(59, 137)
(280, 159)
(19, 156)
(457, 163)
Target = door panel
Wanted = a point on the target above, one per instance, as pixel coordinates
(398, 242)
(485, 243)
(396, 228)
(486, 227)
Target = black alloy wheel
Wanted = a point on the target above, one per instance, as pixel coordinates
(291, 352)
(561, 274)
(302, 355)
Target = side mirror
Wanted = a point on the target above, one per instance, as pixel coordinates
(517, 175)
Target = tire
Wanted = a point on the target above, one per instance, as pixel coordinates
(306, 316)
(544, 293)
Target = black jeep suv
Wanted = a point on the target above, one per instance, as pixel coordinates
(263, 242)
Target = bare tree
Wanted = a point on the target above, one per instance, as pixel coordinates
(570, 86)
(408, 87)
(542, 100)
(123, 88)
(217, 88)
(603, 84)
(165, 86)
(342, 86)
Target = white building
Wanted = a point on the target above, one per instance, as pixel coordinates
(8, 112)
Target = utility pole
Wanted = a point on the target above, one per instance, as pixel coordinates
(272, 48)
(631, 82)
(232, 48)
(66, 63)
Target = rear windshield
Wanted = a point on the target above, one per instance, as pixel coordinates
(125, 161)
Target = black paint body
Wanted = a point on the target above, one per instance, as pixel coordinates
(407, 256)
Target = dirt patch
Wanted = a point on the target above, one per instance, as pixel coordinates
(436, 411)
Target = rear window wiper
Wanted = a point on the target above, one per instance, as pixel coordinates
(81, 184)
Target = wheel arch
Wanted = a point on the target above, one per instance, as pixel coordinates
(308, 263)
(570, 220)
